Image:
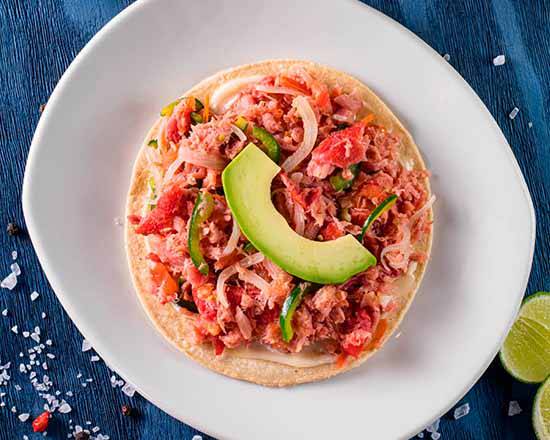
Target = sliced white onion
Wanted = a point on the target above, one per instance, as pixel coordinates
(240, 134)
(253, 278)
(404, 245)
(278, 90)
(232, 270)
(233, 239)
(299, 219)
(243, 323)
(200, 158)
(422, 210)
(311, 128)
(219, 99)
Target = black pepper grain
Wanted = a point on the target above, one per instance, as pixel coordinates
(12, 229)
(126, 410)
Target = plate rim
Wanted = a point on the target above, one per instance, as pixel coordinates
(84, 329)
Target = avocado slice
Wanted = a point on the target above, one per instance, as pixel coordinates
(247, 187)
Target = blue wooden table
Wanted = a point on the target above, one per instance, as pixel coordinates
(39, 39)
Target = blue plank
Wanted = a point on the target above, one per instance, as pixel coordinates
(39, 39)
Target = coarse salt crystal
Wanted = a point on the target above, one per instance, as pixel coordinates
(86, 345)
(88, 422)
(26, 334)
(461, 411)
(79, 375)
(37, 330)
(48, 342)
(434, 426)
(9, 282)
(50, 355)
(94, 358)
(2, 404)
(5, 366)
(77, 429)
(129, 389)
(17, 387)
(5, 312)
(197, 437)
(69, 393)
(13, 409)
(513, 113)
(499, 60)
(436, 435)
(15, 269)
(65, 408)
(35, 337)
(447, 57)
(43, 315)
(14, 255)
(513, 408)
(529, 124)
(14, 329)
(25, 437)
(23, 417)
(34, 295)
(95, 429)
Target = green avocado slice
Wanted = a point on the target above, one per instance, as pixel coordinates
(247, 187)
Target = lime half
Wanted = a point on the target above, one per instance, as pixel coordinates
(541, 412)
(526, 350)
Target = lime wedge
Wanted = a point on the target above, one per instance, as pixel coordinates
(541, 411)
(526, 350)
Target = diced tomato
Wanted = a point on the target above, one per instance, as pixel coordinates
(161, 217)
(342, 148)
(164, 285)
(218, 346)
(154, 257)
(371, 191)
(321, 96)
(40, 424)
(353, 350)
(293, 84)
(331, 232)
(134, 219)
(293, 190)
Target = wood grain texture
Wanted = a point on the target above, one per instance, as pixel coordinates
(38, 40)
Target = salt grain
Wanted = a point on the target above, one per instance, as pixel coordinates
(14, 255)
(5, 312)
(9, 282)
(15, 269)
(14, 329)
(69, 393)
(513, 113)
(43, 315)
(462, 411)
(529, 124)
(513, 408)
(26, 334)
(50, 355)
(44, 366)
(35, 338)
(434, 426)
(129, 389)
(23, 417)
(79, 375)
(25, 437)
(499, 60)
(65, 408)
(436, 435)
(197, 437)
(447, 57)
(48, 342)
(13, 409)
(95, 429)
(17, 387)
(34, 295)
(86, 345)
(94, 358)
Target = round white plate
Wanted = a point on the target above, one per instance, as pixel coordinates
(79, 170)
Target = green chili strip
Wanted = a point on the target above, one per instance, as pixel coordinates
(242, 123)
(339, 183)
(201, 212)
(378, 211)
(196, 118)
(153, 190)
(289, 307)
(249, 247)
(153, 143)
(269, 143)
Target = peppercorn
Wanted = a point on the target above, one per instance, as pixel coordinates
(42, 107)
(82, 435)
(126, 410)
(12, 229)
